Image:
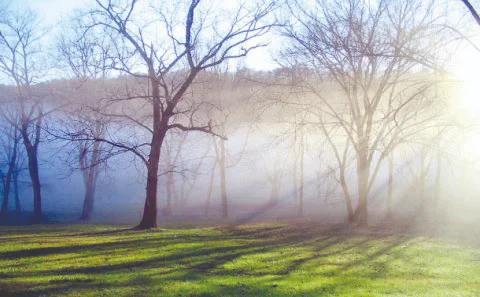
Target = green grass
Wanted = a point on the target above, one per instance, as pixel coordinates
(251, 260)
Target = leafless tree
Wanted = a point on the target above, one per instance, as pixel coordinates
(87, 59)
(167, 46)
(9, 153)
(374, 62)
(90, 158)
(172, 153)
(20, 63)
(228, 95)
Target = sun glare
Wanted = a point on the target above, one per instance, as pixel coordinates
(466, 70)
(469, 96)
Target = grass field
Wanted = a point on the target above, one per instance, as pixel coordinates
(250, 260)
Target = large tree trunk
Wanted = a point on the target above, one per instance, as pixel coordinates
(90, 174)
(32, 149)
(223, 187)
(88, 201)
(363, 176)
(90, 183)
(160, 128)
(149, 218)
(8, 180)
(35, 177)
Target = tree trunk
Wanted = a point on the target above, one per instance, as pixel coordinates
(348, 199)
(8, 180)
(149, 218)
(295, 182)
(168, 208)
(422, 181)
(223, 187)
(6, 192)
(90, 174)
(160, 129)
(88, 201)
(390, 186)
(18, 208)
(210, 190)
(302, 156)
(438, 179)
(363, 175)
(34, 176)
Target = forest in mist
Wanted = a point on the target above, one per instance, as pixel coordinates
(145, 112)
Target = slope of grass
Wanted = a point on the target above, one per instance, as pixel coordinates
(251, 260)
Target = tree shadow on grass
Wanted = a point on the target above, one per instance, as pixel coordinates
(205, 260)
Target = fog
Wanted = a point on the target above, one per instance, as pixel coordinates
(154, 114)
(260, 179)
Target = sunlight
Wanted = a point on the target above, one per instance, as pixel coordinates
(469, 95)
(472, 147)
(466, 70)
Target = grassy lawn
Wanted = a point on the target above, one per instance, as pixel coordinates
(250, 260)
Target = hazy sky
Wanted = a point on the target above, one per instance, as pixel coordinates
(52, 11)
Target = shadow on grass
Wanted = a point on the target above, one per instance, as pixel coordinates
(202, 259)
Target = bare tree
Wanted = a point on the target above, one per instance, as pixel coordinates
(10, 152)
(168, 51)
(368, 56)
(172, 149)
(20, 36)
(228, 93)
(87, 59)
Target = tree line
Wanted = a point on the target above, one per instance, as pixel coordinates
(364, 78)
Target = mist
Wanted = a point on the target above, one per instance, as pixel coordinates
(104, 126)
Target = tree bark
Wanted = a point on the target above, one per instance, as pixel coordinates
(32, 150)
(160, 129)
(149, 218)
(363, 176)
(35, 177)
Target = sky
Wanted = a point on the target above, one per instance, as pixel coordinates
(51, 13)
